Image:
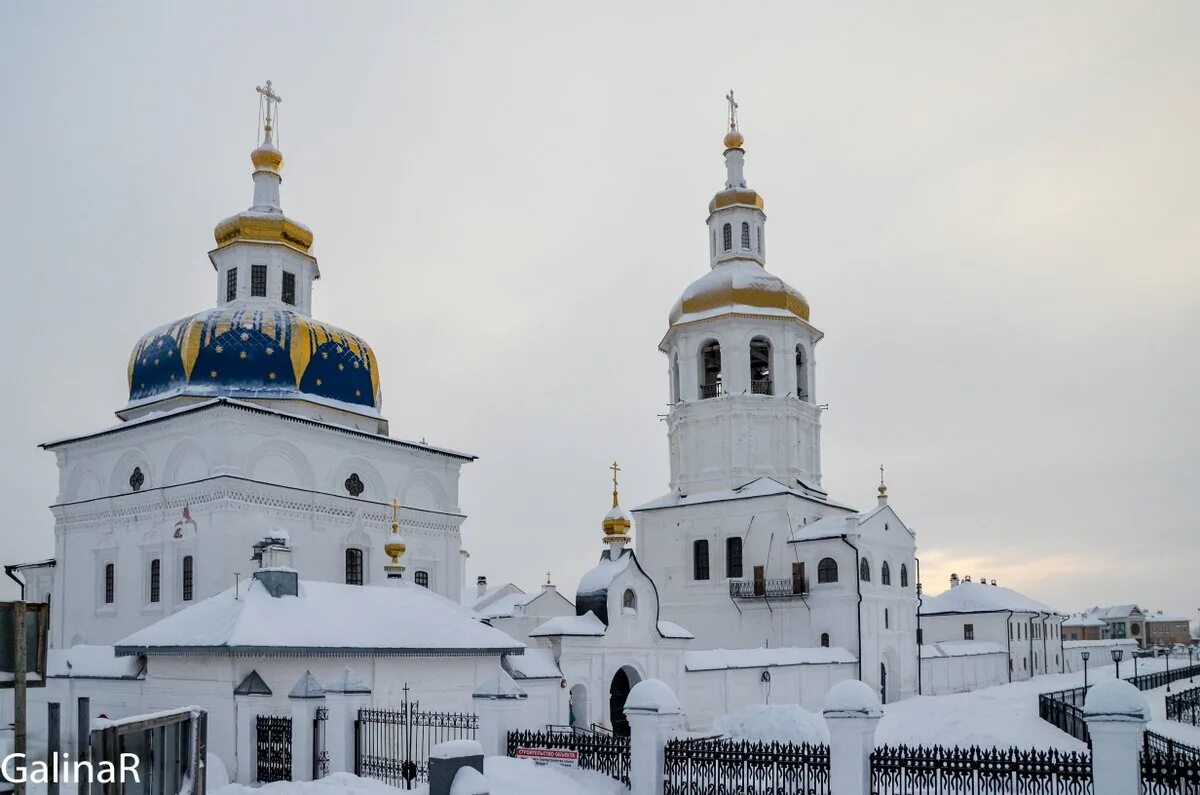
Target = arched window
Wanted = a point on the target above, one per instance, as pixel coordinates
(354, 566)
(759, 249)
(733, 557)
(827, 570)
(885, 574)
(887, 621)
(745, 236)
(188, 578)
(629, 601)
(801, 374)
(903, 575)
(421, 578)
(727, 233)
(864, 571)
(675, 378)
(710, 369)
(825, 639)
(700, 559)
(155, 579)
(760, 366)
(110, 583)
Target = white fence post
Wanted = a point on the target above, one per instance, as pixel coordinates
(653, 713)
(1116, 713)
(345, 695)
(852, 711)
(497, 701)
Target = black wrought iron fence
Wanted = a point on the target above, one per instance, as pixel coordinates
(716, 766)
(1064, 709)
(393, 745)
(1184, 707)
(320, 754)
(1163, 678)
(273, 740)
(917, 770)
(1168, 767)
(603, 753)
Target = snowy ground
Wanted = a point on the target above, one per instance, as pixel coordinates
(507, 777)
(1007, 715)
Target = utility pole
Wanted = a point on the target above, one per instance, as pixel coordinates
(19, 652)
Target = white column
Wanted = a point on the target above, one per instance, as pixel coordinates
(344, 697)
(654, 716)
(498, 715)
(1116, 714)
(247, 710)
(303, 711)
(852, 712)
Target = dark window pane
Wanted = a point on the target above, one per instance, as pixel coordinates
(258, 280)
(231, 284)
(188, 575)
(354, 567)
(155, 578)
(827, 570)
(109, 584)
(422, 578)
(289, 288)
(733, 557)
(700, 560)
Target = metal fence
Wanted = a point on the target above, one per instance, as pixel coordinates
(1169, 768)
(393, 745)
(170, 748)
(1163, 678)
(273, 748)
(320, 753)
(716, 766)
(605, 753)
(904, 770)
(1184, 707)
(1064, 709)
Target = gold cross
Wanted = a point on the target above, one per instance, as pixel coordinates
(395, 511)
(272, 100)
(615, 469)
(733, 108)
(547, 578)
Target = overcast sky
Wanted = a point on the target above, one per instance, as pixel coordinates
(991, 207)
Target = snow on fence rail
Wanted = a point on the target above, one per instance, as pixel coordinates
(904, 770)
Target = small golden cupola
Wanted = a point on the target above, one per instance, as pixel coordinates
(618, 522)
(395, 547)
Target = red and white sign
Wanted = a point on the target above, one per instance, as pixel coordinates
(550, 756)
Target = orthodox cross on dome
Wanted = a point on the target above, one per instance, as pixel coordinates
(882, 486)
(733, 109)
(547, 578)
(615, 469)
(395, 514)
(268, 102)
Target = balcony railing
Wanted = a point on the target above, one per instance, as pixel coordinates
(761, 387)
(780, 588)
(711, 390)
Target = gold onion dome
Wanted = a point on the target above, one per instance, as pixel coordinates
(734, 140)
(618, 521)
(735, 284)
(267, 158)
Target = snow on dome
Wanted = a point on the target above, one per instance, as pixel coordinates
(652, 695)
(852, 698)
(975, 597)
(738, 285)
(325, 616)
(254, 351)
(1116, 699)
(784, 723)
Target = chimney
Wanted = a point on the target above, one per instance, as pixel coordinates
(480, 586)
(966, 578)
(279, 582)
(993, 581)
(953, 580)
(273, 551)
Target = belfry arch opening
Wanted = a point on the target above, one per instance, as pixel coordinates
(710, 369)
(622, 682)
(801, 374)
(760, 367)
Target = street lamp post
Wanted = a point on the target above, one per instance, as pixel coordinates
(1085, 655)
(1117, 654)
(1135, 665)
(1191, 675)
(1168, 670)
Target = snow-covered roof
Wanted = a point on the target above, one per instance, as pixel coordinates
(587, 625)
(506, 605)
(602, 575)
(825, 527)
(534, 664)
(475, 600)
(1083, 620)
(1114, 613)
(961, 648)
(722, 659)
(388, 620)
(91, 662)
(669, 629)
(1158, 615)
(499, 686)
(759, 487)
(975, 597)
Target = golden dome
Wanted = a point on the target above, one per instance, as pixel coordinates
(739, 283)
(267, 158)
(734, 140)
(617, 522)
(264, 227)
(732, 196)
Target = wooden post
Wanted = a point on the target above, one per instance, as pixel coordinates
(53, 745)
(19, 653)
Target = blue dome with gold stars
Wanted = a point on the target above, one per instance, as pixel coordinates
(256, 352)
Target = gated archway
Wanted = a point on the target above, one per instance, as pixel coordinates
(623, 680)
(578, 707)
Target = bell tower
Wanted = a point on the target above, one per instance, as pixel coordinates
(741, 355)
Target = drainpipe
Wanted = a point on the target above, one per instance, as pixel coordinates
(1045, 647)
(1010, 634)
(920, 601)
(9, 571)
(858, 586)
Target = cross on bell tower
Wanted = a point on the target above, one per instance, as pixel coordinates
(268, 109)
